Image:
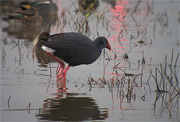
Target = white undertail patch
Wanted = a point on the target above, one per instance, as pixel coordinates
(47, 49)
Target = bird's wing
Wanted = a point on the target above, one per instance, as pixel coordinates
(72, 44)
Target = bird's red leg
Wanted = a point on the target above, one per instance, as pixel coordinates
(63, 74)
(61, 67)
(65, 71)
(59, 61)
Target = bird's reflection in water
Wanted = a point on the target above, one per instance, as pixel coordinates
(23, 32)
(71, 107)
(61, 85)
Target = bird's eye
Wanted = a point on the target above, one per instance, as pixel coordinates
(105, 41)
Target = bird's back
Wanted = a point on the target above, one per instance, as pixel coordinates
(73, 48)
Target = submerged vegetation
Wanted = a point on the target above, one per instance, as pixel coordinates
(166, 77)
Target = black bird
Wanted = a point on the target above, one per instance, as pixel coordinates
(73, 48)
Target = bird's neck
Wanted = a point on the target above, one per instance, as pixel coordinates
(99, 47)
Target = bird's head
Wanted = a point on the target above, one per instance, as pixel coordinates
(102, 42)
(44, 36)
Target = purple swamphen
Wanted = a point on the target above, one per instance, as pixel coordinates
(73, 48)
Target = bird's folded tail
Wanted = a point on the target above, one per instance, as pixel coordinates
(47, 49)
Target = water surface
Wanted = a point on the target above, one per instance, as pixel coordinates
(137, 81)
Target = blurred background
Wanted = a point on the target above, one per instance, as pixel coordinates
(137, 80)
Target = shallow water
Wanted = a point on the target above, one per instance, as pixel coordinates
(119, 86)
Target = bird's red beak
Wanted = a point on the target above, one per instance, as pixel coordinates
(108, 46)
